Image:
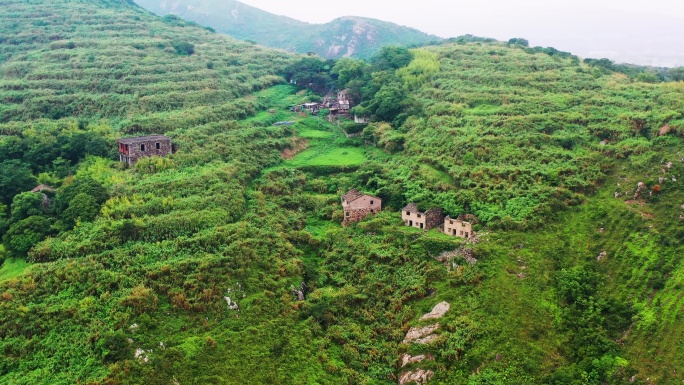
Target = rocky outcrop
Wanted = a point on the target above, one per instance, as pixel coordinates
(421, 335)
(438, 311)
(409, 359)
(419, 377)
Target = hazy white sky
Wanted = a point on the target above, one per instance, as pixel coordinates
(651, 32)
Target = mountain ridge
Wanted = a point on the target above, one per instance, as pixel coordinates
(346, 36)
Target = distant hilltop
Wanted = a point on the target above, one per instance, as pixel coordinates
(347, 36)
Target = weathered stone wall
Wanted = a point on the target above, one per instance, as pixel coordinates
(357, 215)
(433, 218)
(132, 149)
(149, 148)
(365, 202)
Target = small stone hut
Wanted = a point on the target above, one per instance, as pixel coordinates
(458, 227)
(357, 206)
(132, 149)
(412, 217)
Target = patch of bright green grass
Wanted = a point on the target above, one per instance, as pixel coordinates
(484, 109)
(341, 156)
(12, 267)
(314, 134)
(279, 96)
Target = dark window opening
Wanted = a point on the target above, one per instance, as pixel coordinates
(157, 145)
(347, 213)
(142, 147)
(371, 202)
(421, 225)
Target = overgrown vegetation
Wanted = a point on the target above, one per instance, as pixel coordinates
(181, 269)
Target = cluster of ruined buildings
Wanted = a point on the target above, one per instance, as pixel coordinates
(357, 206)
(338, 107)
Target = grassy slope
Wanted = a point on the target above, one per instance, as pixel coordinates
(171, 244)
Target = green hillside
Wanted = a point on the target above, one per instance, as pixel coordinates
(342, 37)
(183, 269)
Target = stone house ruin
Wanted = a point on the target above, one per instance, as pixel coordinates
(361, 119)
(357, 206)
(412, 217)
(132, 149)
(344, 101)
(458, 227)
(341, 107)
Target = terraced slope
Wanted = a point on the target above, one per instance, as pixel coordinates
(111, 59)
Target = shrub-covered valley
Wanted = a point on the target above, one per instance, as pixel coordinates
(182, 269)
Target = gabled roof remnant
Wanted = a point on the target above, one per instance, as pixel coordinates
(352, 195)
(411, 207)
(138, 139)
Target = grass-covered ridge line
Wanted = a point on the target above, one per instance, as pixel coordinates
(343, 37)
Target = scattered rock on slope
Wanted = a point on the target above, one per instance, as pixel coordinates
(419, 377)
(421, 335)
(438, 311)
(409, 359)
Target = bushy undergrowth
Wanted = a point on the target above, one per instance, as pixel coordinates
(182, 269)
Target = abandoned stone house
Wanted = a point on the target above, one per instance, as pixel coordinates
(458, 227)
(132, 149)
(412, 217)
(344, 101)
(361, 119)
(357, 206)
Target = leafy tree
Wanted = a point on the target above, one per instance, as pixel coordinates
(391, 58)
(4, 221)
(389, 101)
(519, 42)
(15, 177)
(83, 208)
(349, 70)
(677, 74)
(311, 73)
(113, 347)
(25, 234)
(75, 147)
(183, 48)
(25, 205)
(86, 186)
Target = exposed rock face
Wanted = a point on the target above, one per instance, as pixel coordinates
(419, 377)
(420, 335)
(409, 359)
(438, 311)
